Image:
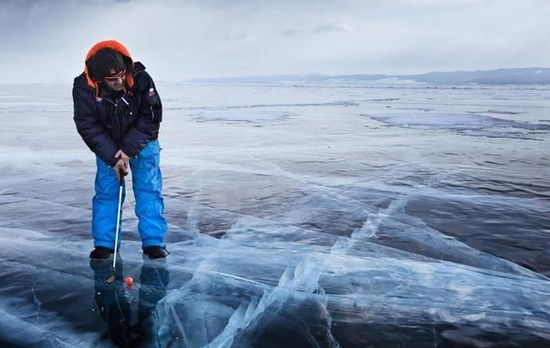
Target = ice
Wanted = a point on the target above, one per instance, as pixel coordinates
(380, 282)
(236, 115)
(310, 215)
(471, 124)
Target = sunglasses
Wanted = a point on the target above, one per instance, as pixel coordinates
(117, 76)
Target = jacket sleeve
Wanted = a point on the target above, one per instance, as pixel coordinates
(90, 129)
(146, 127)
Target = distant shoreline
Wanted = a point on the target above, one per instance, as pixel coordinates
(514, 76)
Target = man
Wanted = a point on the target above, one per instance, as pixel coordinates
(117, 112)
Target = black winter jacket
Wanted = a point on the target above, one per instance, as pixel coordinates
(128, 121)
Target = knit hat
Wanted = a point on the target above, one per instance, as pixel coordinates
(106, 62)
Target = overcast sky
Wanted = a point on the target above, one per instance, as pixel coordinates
(177, 40)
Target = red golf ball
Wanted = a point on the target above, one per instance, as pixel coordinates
(128, 281)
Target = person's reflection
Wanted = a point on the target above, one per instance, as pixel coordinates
(154, 279)
(114, 302)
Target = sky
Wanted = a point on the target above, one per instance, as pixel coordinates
(47, 40)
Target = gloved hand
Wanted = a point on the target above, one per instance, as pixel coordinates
(121, 169)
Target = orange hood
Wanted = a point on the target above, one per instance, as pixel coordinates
(117, 46)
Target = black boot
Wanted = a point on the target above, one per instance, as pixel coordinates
(101, 253)
(155, 252)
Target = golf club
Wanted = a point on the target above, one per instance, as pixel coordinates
(119, 211)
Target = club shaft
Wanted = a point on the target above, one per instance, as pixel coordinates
(119, 211)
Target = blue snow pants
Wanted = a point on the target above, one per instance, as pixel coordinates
(147, 186)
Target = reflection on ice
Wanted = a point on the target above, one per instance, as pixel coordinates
(114, 305)
(295, 221)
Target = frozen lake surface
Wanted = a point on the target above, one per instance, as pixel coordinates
(300, 215)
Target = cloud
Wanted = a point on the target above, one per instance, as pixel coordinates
(241, 36)
(179, 40)
(290, 32)
(331, 27)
